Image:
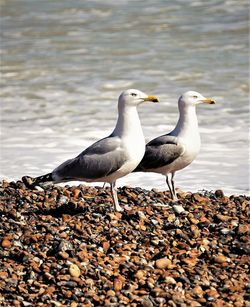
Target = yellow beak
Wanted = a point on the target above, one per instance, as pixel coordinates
(209, 101)
(151, 98)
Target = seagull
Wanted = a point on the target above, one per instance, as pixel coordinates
(109, 158)
(174, 151)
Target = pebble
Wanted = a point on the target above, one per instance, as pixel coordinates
(140, 274)
(76, 192)
(220, 259)
(178, 209)
(219, 193)
(74, 270)
(198, 292)
(6, 243)
(118, 284)
(162, 263)
(63, 200)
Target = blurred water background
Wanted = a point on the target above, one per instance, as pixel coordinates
(64, 63)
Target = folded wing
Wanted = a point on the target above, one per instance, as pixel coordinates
(160, 151)
(97, 161)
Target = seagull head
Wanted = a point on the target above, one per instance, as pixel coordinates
(192, 98)
(134, 97)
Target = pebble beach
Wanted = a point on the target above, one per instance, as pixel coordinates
(65, 246)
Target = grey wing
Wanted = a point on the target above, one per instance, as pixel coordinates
(159, 152)
(99, 160)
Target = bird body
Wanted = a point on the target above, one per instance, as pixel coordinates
(184, 141)
(174, 151)
(109, 158)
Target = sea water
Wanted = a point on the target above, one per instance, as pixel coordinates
(64, 64)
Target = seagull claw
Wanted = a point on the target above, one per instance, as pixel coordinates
(118, 208)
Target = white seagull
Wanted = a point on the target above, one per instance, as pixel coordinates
(109, 158)
(172, 152)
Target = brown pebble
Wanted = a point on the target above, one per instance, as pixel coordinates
(105, 245)
(74, 270)
(76, 193)
(3, 275)
(140, 274)
(220, 259)
(16, 303)
(198, 291)
(6, 243)
(118, 284)
(162, 263)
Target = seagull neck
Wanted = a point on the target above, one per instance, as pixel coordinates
(187, 120)
(128, 121)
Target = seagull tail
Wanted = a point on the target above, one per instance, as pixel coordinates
(32, 182)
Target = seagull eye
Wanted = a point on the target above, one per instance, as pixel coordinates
(133, 94)
(195, 97)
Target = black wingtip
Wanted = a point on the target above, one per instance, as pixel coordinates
(137, 169)
(31, 183)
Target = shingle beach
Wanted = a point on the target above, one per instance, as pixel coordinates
(65, 246)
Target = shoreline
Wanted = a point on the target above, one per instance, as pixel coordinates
(159, 184)
(65, 246)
